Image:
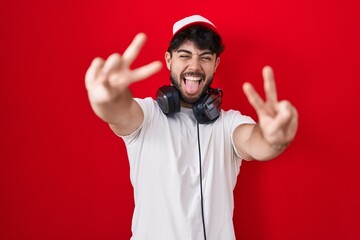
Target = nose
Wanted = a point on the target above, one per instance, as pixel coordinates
(194, 63)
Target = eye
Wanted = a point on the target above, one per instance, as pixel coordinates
(206, 58)
(184, 56)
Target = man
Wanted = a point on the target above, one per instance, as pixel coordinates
(183, 172)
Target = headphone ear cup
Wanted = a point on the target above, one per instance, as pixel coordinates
(168, 99)
(208, 108)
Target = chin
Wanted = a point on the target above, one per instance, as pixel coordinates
(190, 98)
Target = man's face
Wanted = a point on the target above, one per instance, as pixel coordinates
(191, 70)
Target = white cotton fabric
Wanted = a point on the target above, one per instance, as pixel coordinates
(164, 171)
(194, 19)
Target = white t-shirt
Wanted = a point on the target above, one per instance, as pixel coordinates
(164, 171)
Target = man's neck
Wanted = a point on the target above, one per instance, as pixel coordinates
(185, 105)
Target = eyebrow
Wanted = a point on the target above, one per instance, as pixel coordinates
(188, 52)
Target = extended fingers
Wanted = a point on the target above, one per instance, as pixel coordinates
(145, 71)
(269, 85)
(253, 97)
(133, 49)
(115, 61)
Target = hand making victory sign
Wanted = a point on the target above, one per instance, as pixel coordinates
(278, 120)
(107, 83)
(105, 80)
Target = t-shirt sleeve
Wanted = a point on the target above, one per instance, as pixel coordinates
(238, 119)
(147, 106)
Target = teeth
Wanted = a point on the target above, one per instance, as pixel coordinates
(191, 78)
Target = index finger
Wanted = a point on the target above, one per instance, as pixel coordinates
(133, 49)
(269, 85)
(253, 97)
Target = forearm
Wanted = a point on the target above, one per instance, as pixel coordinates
(114, 111)
(278, 122)
(123, 114)
(251, 144)
(259, 149)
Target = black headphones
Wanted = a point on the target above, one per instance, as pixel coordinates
(206, 110)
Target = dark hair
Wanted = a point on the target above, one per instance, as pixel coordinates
(203, 37)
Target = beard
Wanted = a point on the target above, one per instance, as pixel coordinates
(190, 99)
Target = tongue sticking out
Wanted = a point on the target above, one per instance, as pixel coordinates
(191, 86)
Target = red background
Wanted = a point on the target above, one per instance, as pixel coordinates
(65, 175)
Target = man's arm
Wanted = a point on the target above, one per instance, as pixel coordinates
(107, 83)
(278, 123)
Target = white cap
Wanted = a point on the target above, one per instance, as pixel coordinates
(193, 20)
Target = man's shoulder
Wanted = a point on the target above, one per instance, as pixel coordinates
(146, 103)
(230, 112)
(144, 100)
(236, 115)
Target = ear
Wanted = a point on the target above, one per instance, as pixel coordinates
(168, 59)
(217, 62)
